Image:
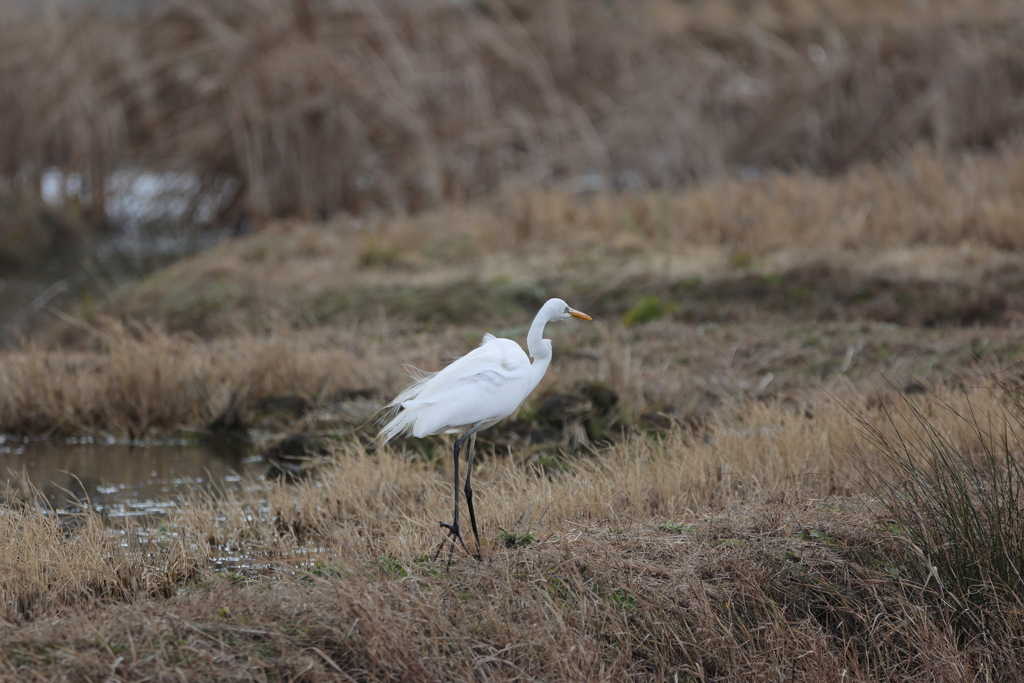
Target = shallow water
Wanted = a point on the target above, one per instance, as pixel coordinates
(122, 480)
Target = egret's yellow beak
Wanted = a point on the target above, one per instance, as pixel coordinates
(576, 314)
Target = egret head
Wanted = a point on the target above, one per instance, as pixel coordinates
(556, 309)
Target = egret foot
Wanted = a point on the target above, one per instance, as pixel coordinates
(454, 533)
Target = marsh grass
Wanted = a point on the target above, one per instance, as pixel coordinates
(741, 596)
(136, 380)
(953, 487)
(358, 507)
(708, 525)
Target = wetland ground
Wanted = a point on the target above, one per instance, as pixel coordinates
(689, 492)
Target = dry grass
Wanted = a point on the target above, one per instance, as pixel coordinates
(51, 565)
(766, 254)
(731, 543)
(137, 381)
(140, 380)
(583, 606)
(730, 553)
(317, 107)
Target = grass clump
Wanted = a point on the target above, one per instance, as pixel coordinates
(53, 565)
(647, 308)
(378, 256)
(813, 535)
(954, 492)
(391, 568)
(516, 539)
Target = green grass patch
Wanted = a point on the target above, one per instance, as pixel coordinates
(815, 536)
(516, 539)
(391, 567)
(647, 308)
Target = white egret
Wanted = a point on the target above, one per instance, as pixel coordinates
(476, 391)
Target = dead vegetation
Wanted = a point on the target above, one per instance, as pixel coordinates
(315, 107)
(724, 602)
(52, 564)
(726, 553)
(716, 529)
(138, 381)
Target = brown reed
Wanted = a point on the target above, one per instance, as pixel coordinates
(317, 107)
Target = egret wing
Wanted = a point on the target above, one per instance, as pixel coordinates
(485, 385)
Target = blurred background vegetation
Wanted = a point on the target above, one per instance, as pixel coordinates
(135, 132)
(309, 107)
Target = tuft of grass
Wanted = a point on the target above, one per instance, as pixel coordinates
(741, 259)
(377, 256)
(516, 539)
(677, 528)
(647, 308)
(391, 567)
(49, 568)
(324, 571)
(813, 535)
(953, 487)
(622, 599)
(137, 380)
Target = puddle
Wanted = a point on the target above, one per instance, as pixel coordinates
(132, 481)
(122, 480)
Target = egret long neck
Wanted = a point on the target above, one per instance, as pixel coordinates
(540, 350)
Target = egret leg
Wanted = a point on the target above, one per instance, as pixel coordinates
(453, 529)
(469, 493)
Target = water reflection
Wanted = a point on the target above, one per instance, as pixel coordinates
(122, 480)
